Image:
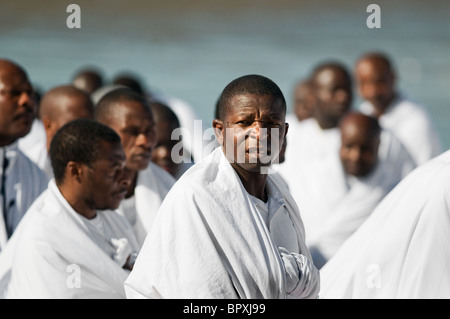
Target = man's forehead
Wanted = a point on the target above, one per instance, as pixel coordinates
(111, 151)
(248, 102)
(13, 78)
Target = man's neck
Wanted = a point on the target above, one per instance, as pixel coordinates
(76, 202)
(132, 186)
(253, 182)
(6, 141)
(380, 109)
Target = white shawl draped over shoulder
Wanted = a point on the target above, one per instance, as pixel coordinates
(210, 241)
(403, 249)
(152, 185)
(54, 255)
(364, 194)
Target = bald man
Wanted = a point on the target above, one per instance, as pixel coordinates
(59, 106)
(169, 152)
(129, 114)
(88, 79)
(311, 167)
(373, 163)
(21, 181)
(409, 121)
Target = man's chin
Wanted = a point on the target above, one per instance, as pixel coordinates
(138, 166)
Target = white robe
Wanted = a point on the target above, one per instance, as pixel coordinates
(412, 125)
(362, 195)
(313, 172)
(210, 241)
(55, 253)
(24, 182)
(152, 185)
(33, 144)
(403, 249)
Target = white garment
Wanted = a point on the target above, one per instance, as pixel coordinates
(412, 125)
(209, 241)
(403, 249)
(24, 182)
(34, 146)
(57, 253)
(277, 219)
(313, 172)
(152, 185)
(34, 142)
(362, 195)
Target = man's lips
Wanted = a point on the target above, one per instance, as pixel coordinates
(146, 155)
(122, 193)
(28, 116)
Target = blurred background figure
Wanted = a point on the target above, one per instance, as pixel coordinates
(21, 180)
(129, 114)
(410, 122)
(311, 167)
(303, 100)
(169, 152)
(59, 106)
(373, 163)
(88, 79)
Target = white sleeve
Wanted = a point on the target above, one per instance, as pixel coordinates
(302, 277)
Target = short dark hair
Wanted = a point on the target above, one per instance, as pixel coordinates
(78, 141)
(105, 107)
(248, 84)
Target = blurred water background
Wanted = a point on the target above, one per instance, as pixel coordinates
(192, 49)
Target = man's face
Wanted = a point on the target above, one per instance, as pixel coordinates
(359, 150)
(17, 104)
(162, 153)
(253, 131)
(375, 83)
(303, 103)
(106, 182)
(334, 95)
(136, 128)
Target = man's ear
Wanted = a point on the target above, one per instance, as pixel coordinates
(218, 130)
(74, 171)
(286, 129)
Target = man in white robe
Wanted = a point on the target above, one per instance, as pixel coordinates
(311, 167)
(227, 229)
(71, 243)
(130, 115)
(402, 250)
(21, 181)
(409, 121)
(59, 106)
(373, 162)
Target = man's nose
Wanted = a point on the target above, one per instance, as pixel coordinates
(355, 154)
(26, 98)
(147, 140)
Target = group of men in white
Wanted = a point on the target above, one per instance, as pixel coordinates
(356, 205)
